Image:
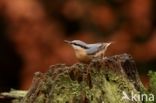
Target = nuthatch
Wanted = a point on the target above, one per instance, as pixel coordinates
(86, 52)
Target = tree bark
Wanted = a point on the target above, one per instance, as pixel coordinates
(102, 81)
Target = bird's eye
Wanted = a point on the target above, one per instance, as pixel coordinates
(82, 46)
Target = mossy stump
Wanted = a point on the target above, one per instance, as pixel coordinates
(101, 81)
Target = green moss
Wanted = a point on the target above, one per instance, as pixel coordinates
(106, 88)
(152, 84)
(102, 81)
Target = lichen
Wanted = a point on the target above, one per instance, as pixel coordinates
(101, 81)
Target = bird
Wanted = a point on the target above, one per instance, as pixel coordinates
(86, 52)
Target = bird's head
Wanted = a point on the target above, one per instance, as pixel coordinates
(77, 44)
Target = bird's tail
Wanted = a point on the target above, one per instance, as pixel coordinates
(108, 44)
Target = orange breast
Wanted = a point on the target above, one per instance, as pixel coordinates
(82, 56)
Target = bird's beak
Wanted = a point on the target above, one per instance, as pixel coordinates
(66, 41)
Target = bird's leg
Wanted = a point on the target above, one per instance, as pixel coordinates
(102, 55)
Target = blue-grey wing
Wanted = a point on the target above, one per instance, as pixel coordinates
(93, 48)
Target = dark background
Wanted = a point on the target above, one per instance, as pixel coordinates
(32, 34)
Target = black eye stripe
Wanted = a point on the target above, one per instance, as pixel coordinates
(81, 45)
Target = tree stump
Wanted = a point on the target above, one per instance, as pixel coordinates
(102, 81)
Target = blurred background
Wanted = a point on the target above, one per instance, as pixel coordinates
(32, 34)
